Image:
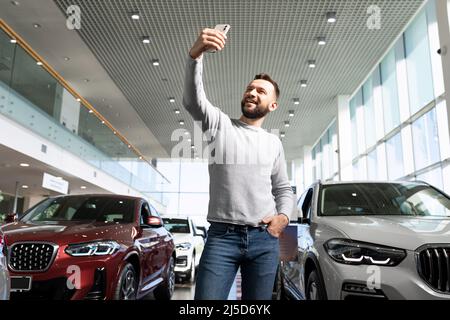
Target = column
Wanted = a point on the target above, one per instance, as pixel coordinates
(344, 138)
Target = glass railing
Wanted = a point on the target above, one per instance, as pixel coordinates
(31, 96)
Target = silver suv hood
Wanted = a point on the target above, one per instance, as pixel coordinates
(394, 231)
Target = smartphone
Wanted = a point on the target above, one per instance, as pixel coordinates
(221, 27)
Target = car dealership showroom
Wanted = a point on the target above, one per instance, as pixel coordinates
(142, 159)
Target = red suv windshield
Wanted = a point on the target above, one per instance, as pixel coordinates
(82, 208)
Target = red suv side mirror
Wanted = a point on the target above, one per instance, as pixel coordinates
(11, 217)
(154, 221)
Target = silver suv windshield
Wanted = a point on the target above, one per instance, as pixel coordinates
(397, 199)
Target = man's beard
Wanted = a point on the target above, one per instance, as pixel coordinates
(256, 113)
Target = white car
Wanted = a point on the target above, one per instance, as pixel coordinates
(189, 243)
(369, 240)
(4, 274)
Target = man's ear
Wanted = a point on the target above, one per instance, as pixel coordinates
(273, 106)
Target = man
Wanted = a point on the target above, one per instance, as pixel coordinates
(250, 202)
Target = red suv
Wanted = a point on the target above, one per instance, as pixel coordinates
(92, 247)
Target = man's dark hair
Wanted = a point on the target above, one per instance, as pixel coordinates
(264, 76)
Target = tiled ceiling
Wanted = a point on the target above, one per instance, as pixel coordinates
(273, 36)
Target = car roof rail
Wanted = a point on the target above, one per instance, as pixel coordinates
(421, 181)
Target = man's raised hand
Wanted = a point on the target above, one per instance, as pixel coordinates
(209, 39)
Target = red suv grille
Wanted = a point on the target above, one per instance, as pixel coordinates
(29, 256)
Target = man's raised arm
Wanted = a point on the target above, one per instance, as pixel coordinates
(194, 97)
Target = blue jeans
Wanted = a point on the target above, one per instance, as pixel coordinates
(229, 247)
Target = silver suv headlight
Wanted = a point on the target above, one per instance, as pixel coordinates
(361, 253)
(99, 248)
(185, 246)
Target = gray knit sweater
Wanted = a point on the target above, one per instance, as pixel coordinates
(248, 178)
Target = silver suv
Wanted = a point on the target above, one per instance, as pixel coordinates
(368, 240)
(4, 275)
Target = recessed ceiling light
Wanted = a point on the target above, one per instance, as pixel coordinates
(182, 122)
(86, 80)
(296, 101)
(36, 25)
(303, 83)
(78, 99)
(312, 63)
(135, 16)
(91, 111)
(66, 58)
(331, 17)
(103, 122)
(283, 134)
(287, 124)
(146, 39)
(129, 146)
(83, 187)
(141, 158)
(190, 140)
(39, 63)
(155, 62)
(321, 41)
(25, 165)
(186, 133)
(172, 100)
(15, 3)
(115, 132)
(192, 147)
(177, 111)
(291, 113)
(24, 186)
(13, 41)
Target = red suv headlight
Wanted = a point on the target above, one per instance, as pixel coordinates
(99, 248)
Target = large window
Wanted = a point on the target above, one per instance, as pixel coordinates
(372, 168)
(402, 130)
(188, 193)
(394, 153)
(390, 92)
(420, 78)
(324, 157)
(369, 113)
(433, 177)
(426, 140)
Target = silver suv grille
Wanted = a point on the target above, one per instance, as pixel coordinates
(31, 256)
(433, 264)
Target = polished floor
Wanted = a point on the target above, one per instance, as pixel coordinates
(186, 291)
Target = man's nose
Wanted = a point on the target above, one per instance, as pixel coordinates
(253, 93)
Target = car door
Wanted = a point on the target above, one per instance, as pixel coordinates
(293, 270)
(304, 236)
(148, 245)
(163, 252)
